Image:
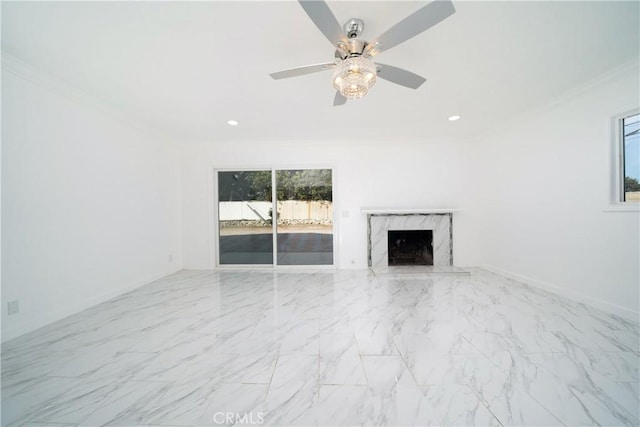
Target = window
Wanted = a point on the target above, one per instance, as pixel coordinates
(275, 217)
(305, 217)
(630, 138)
(245, 217)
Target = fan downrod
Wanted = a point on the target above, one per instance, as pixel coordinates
(353, 46)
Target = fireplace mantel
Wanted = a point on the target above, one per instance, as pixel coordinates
(396, 211)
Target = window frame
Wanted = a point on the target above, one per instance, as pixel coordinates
(618, 202)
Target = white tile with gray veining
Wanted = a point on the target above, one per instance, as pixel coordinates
(381, 224)
(243, 347)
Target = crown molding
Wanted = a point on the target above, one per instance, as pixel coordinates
(26, 71)
(625, 68)
(611, 75)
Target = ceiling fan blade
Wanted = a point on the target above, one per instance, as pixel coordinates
(324, 19)
(299, 71)
(414, 24)
(339, 99)
(400, 76)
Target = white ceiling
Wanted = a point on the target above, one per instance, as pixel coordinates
(185, 68)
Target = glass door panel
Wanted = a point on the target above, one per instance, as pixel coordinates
(305, 217)
(245, 225)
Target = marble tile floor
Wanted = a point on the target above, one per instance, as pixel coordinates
(419, 271)
(329, 348)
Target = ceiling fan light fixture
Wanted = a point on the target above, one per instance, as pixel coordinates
(354, 76)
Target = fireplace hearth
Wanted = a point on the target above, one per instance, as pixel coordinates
(410, 247)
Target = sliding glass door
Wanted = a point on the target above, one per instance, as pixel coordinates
(245, 226)
(305, 217)
(303, 221)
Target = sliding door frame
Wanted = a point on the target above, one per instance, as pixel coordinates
(214, 218)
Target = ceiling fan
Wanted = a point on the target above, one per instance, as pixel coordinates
(354, 69)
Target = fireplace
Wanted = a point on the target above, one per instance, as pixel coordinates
(437, 221)
(410, 247)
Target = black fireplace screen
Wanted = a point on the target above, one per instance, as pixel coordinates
(410, 247)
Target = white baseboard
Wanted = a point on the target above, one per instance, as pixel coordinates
(45, 319)
(572, 295)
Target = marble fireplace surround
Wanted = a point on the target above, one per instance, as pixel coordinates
(380, 221)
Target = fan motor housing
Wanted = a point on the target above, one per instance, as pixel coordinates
(352, 47)
(353, 28)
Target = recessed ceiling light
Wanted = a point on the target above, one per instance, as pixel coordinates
(232, 123)
(454, 118)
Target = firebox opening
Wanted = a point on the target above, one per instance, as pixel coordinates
(410, 247)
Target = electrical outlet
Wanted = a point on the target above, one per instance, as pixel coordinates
(13, 307)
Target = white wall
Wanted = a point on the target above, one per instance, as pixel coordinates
(90, 206)
(543, 192)
(378, 173)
